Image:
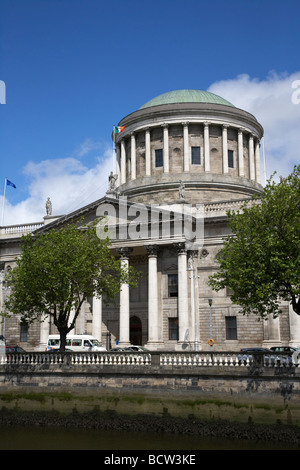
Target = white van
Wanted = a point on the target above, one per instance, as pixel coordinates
(75, 343)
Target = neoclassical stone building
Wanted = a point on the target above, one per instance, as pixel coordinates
(181, 161)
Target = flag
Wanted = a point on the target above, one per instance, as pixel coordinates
(9, 183)
(117, 130)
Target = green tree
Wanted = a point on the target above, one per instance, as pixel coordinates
(58, 270)
(260, 260)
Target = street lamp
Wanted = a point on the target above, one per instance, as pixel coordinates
(192, 268)
(211, 342)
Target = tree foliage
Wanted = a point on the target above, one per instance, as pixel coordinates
(260, 261)
(58, 270)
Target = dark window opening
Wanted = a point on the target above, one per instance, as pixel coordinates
(159, 159)
(173, 328)
(231, 327)
(196, 159)
(173, 285)
(23, 332)
(230, 159)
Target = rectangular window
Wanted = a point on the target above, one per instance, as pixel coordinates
(195, 152)
(159, 159)
(231, 327)
(173, 285)
(24, 332)
(230, 159)
(173, 328)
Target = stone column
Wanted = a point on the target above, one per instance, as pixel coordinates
(71, 317)
(81, 320)
(225, 149)
(271, 331)
(241, 153)
(124, 301)
(194, 305)
(251, 158)
(118, 165)
(147, 152)
(133, 157)
(97, 318)
(123, 162)
(44, 332)
(166, 148)
(206, 147)
(257, 161)
(186, 153)
(182, 293)
(153, 305)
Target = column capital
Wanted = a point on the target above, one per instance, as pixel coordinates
(152, 250)
(192, 254)
(165, 125)
(124, 252)
(185, 123)
(180, 248)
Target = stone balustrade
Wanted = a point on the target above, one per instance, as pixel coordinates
(19, 230)
(163, 359)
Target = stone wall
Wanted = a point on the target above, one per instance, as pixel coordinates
(254, 393)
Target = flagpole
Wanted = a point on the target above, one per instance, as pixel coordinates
(3, 202)
(113, 155)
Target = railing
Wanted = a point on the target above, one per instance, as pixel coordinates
(20, 229)
(161, 358)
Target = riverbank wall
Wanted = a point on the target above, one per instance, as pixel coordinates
(252, 393)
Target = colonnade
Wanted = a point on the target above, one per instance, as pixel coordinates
(154, 323)
(243, 134)
(186, 318)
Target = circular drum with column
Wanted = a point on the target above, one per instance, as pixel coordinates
(194, 137)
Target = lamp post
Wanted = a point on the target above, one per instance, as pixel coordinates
(192, 268)
(210, 301)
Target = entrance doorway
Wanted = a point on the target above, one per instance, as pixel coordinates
(135, 335)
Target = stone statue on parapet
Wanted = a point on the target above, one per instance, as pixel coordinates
(112, 184)
(48, 207)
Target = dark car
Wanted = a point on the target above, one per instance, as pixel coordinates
(284, 349)
(14, 349)
(246, 354)
(289, 358)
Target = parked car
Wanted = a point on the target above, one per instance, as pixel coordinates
(247, 354)
(132, 348)
(289, 357)
(288, 349)
(14, 349)
(135, 348)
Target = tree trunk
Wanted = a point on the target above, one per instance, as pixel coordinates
(63, 340)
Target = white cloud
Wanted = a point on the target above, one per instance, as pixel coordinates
(270, 101)
(67, 181)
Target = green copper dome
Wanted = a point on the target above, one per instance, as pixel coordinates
(186, 96)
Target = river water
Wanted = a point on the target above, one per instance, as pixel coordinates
(45, 438)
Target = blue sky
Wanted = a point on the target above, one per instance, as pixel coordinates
(73, 68)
